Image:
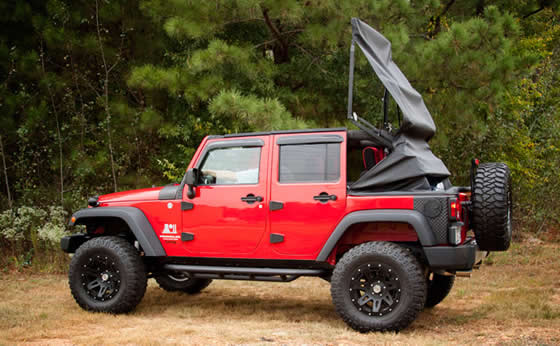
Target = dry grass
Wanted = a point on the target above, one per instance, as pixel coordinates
(515, 299)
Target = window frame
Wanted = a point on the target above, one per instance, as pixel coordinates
(241, 143)
(288, 141)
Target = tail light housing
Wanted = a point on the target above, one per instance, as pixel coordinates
(457, 232)
(454, 209)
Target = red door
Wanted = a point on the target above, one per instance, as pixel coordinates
(308, 191)
(228, 215)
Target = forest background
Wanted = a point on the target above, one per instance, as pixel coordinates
(109, 95)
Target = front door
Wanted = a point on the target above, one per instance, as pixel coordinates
(308, 192)
(228, 218)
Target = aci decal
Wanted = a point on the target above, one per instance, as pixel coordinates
(169, 229)
(169, 232)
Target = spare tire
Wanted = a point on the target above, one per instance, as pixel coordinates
(492, 206)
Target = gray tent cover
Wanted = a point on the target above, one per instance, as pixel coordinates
(411, 163)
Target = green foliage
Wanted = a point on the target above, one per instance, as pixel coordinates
(180, 70)
(37, 228)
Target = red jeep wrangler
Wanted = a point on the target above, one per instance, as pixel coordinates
(372, 211)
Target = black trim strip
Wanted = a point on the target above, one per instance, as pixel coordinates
(242, 270)
(278, 132)
(309, 139)
(169, 192)
(246, 262)
(249, 142)
(277, 278)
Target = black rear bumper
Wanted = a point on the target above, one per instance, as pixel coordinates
(462, 257)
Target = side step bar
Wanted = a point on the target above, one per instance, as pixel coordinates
(243, 273)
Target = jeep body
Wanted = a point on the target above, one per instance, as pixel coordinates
(372, 211)
(310, 218)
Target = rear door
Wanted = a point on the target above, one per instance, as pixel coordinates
(308, 191)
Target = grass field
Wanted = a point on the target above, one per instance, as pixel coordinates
(514, 299)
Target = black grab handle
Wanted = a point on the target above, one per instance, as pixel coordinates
(250, 199)
(324, 197)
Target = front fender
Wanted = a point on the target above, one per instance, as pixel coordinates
(411, 217)
(133, 217)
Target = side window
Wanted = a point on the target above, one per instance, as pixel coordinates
(227, 166)
(309, 163)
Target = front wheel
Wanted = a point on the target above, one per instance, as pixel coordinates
(107, 275)
(378, 286)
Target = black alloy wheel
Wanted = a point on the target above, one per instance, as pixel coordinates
(378, 286)
(100, 277)
(376, 289)
(107, 274)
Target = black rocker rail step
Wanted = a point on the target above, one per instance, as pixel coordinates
(243, 273)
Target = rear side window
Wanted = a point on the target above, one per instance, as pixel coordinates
(309, 163)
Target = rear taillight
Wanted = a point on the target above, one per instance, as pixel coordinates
(454, 209)
(457, 230)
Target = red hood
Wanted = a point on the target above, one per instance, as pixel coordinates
(132, 195)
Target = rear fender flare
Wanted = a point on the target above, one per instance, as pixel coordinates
(133, 217)
(411, 217)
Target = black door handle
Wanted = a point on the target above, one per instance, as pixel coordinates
(324, 197)
(250, 199)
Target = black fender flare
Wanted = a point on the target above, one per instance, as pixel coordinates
(411, 217)
(133, 217)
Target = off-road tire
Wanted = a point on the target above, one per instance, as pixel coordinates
(123, 260)
(407, 269)
(439, 287)
(187, 285)
(492, 207)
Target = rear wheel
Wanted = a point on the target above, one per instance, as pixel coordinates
(107, 275)
(378, 286)
(173, 282)
(492, 207)
(439, 287)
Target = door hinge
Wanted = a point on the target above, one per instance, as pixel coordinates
(273, 205)
(186, 206)
(187, 236)
(276, 238)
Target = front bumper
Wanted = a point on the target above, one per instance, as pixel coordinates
(72, 242)
(462, 257)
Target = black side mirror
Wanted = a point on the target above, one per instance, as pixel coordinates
(191, 181)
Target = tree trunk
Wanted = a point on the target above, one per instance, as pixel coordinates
(106, 95)
(58, 132)
(5, 172)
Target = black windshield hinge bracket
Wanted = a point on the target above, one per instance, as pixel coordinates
(186, 206)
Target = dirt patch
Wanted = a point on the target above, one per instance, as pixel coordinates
(513, 301)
